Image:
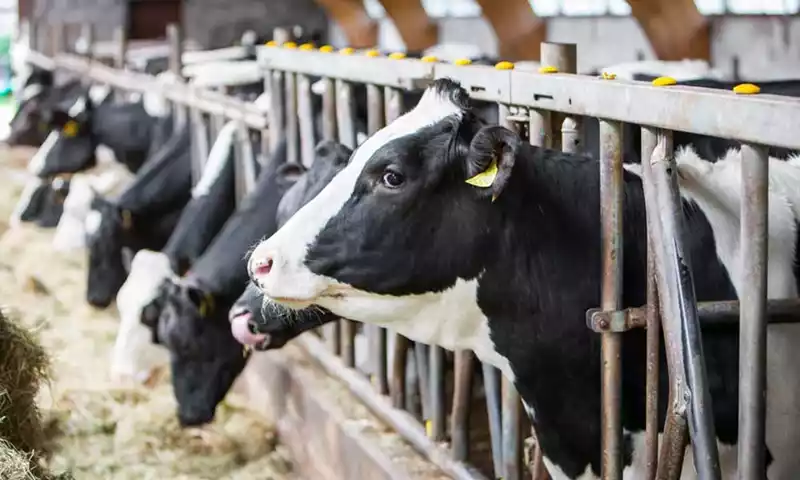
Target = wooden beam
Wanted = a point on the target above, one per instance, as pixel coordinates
(360, 30)
(416, 29)
(518, 30)
(675, 28)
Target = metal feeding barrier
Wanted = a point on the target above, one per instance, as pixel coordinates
(414, 401)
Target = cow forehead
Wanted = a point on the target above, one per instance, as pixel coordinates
(93, 220)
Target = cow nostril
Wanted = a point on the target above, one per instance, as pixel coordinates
(263, 267)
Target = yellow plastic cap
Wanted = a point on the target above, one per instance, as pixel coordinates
(397, 55)
(548, 69)
(429, 59)
(664, 81)
(307, 46)
(326, 49)
(504, 66)
(289, 45)
(609, 76)
(373, 53)
(746, 89)
(347, 51)
(271, 43)
(463, 61)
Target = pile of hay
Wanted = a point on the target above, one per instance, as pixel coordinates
(24, 367)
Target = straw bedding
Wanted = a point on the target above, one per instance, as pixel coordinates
(99, 429)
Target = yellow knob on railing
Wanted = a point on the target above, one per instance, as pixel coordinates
(373, 53)
(347, 51)
(504, 66)
(664, 81)
(608, 76)
(271, 43)
(429, 59)
(746, 89)
(548, 69)
(462, 61)
(397, 55)
(307, 46)
(290, 45)
(326, 49)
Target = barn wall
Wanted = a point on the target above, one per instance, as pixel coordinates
(767, 47)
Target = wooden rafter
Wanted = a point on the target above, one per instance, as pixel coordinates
(360, 30)
(416, 29)
(675, 28)
(518, 30)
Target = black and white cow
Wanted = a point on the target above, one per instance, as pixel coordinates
(37, 96)
(45, 202)
(455, 233)
(143, 216)
(213, 201)
(193, 323)
(251, 325)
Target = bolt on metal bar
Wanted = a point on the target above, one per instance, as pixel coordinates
(292, 132)
(653, 365)
(676, 288)
(491, 385)
(345, 113)
(305, 116)
(462, 399)
(611, 198)
(436, 392)
(753, 313)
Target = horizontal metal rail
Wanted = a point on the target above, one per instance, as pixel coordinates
(764, 119)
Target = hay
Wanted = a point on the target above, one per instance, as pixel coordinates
(102, 429)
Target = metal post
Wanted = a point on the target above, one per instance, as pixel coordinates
(420, 379)
(563, 56)
(436, 393)
(329, 110)
(292, 133)
(344, 113)
(611, 197)
(121, 43)
(175, 39)
(275, 114)
(753, 318)
(462, 398)
(491, 385)
(512, 440)
(653, 366)
(200, 143)
(281, 35)
(246, 166)
(305, 116)
(678, 303)
(540, 128)
(57, 42)
(87, 35)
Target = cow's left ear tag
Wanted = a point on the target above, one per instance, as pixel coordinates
(486, 177)
(70, 129)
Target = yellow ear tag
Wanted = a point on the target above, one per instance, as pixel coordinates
(428, 428)
(486, 177)
(127, 220)
(70, 129)
(206, 305)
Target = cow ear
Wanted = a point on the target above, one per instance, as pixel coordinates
(491, 159)
(202, 300)
(59, 118)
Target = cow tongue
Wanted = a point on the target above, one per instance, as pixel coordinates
(240, 329)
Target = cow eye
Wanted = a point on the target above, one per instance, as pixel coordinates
(392, 179)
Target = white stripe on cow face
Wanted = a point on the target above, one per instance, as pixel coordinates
(24, 200)
(218, 158)
(71, 230)
(92, 223)
(37, 163)
(289, 278)
(30, 91)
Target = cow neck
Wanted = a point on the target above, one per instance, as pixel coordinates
(118, 128)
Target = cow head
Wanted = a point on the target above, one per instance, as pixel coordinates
(28, 126)
(402, 223)
(70, 146)
(204, 357)
(106, 226)
(53, 206)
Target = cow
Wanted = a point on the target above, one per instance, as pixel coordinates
(213, 201)
(193, 323)
(28, 126)
(44, 202)
(143, 216)
(455, 233)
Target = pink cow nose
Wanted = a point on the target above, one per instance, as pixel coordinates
(262, 267)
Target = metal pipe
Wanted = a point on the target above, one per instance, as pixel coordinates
(329, 110)
(175, 39)
(564, 57)
(348, 332)
(245, 165)
(345, 113)
(397, 388)
(422, 364)
(292, 133)
(673, 445)
(753, 310)
(305, 115)
(676, 287)
(611, 215)
(121, 42)
(491, 385)
(436, 394)
(276, 114)
(199, 142)
(398, 420)
(512, 439)
(462, 398)
(540, 128)
(653, 365)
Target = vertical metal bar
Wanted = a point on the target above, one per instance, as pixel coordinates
(175, 39)
(436, 394)
(564, 57)
(416, 388)
(277, 123)
(87, 35)
(540, 129)
(345, 113)
(121, 43)
(397, 388)
(491, 385)
(512, 439)
(462, 398)
(676, 430)
(653, 364)
(199, 142)
(57, 42)
(292, 134)
(611, 196)
(422, 377)
(245, 165)
(753, 318)
(306, 119)
(676, 289)
(329, 110)
(348, 335)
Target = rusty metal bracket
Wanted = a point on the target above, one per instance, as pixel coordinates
(616, 320)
